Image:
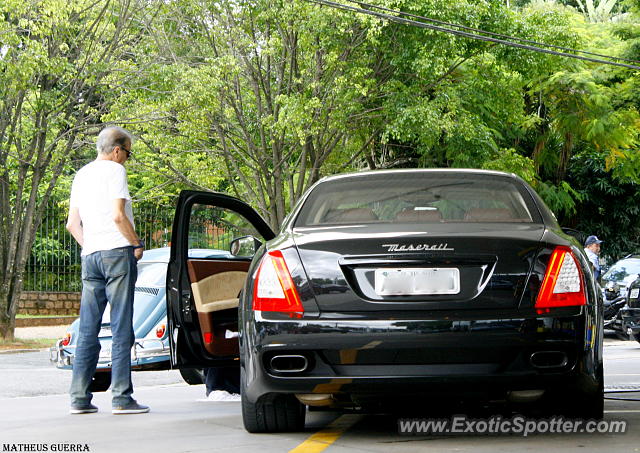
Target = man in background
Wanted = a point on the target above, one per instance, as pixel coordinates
(592, 249)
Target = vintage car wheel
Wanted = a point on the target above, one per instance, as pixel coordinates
(192, 376)
(101, 382)
(273, 412)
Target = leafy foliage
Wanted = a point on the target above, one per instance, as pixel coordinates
(261, 98)
(609, 206)
(54, 60)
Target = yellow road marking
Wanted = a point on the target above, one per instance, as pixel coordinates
(328, 435)
(371, 345)
(348, 356)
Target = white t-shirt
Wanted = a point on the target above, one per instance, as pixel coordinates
(95, 187)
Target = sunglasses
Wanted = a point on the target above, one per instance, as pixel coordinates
(128, 151)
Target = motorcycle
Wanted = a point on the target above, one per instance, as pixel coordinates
(627, 321)
(613, 303)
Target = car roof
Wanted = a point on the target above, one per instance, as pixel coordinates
(470, 171)
(161, 255)
(627, 259)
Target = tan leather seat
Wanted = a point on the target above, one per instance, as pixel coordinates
(488, 215)
(413, 215)
(350, 215)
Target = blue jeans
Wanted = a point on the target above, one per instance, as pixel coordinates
(107, 276)
(227, 379)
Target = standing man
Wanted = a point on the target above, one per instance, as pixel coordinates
(592, 249)
(101, 220)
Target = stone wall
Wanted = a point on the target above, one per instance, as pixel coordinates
(50, 304)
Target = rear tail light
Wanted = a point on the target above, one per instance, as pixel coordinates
(563, 283)
(66, 340)
(160, 330)
(274, 288)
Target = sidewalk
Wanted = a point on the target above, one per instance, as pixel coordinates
(41, 332)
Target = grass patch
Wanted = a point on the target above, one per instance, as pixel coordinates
(33, 343)
(22, 316)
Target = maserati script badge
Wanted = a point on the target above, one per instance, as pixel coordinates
(416, 248)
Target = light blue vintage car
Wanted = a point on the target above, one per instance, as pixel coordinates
(151, 349)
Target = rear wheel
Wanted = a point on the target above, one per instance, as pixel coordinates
(100, 382)
(590, 406)
(578, 403)
(192, 376)
(274, 412)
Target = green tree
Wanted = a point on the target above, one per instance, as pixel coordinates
(610, 205)
(55, 59)
(259, 99)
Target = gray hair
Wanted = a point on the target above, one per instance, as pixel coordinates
(110, 137)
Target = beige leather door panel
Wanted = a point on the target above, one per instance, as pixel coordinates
(215, 286)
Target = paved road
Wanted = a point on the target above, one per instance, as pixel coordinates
(30, 374)
(182, 420)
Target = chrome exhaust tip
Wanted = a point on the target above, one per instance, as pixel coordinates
(289, 363)
(549, 359)
(315, 399)
(524, 396)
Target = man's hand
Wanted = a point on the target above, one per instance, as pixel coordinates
(125, 227)
(138, 253)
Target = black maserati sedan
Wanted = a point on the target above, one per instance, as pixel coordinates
(397, 288)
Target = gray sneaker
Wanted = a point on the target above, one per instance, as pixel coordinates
(132, 408)
(83, 409)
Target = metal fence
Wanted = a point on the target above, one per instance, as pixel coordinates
(54, 264)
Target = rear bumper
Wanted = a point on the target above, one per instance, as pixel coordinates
(146, 354)
(422, 357)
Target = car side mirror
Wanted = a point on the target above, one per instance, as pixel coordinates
(577, 235)
(245, 246)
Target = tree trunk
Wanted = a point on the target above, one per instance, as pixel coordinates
(9, 294)
(565, 155)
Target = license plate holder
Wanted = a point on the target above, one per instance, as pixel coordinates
(417, 281)
(105, 353)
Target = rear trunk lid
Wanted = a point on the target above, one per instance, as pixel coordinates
(392, 267)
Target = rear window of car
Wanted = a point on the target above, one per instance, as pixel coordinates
(405, 197)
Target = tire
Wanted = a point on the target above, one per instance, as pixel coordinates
(100, 382)
(578, 403)
(636, 337)
(272, 413)
(582, 400)
(192, 376)
(591, 405)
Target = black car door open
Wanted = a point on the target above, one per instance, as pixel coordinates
(213, 240)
